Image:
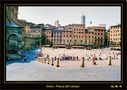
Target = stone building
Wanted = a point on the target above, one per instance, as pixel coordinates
(96, 35)
(36, 30)
(115, 36)
(14, 33)
(67, 37)
(77, 33)
(57, 36)
(89, 37)
(108, 37)
(49, 36)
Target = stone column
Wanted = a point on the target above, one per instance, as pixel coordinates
(83, 59)
(110, 61)
(57, 62)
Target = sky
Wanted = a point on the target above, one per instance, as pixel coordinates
(109, 15)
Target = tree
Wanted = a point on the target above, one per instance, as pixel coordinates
(51, 44)
(85, 44)
(43, 39)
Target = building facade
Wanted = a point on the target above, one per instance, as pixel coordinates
(96, 35)
(36, 30)
(57, 36)
(49, 36)
(108, 37)
(77, 35)
(14, 33)
(89, 37)
(67, 37)
(72, 34)
(115, 36)
(99, 33)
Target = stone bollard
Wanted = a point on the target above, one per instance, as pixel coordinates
(110, 62)
(52, 63)
(57, 62)
(82, 65)
(94, 62)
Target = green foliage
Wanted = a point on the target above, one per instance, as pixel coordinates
(51, 44)
(85, 44)
(43, 40)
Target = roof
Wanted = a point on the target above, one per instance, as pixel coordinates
(115, 26)
(75, 25)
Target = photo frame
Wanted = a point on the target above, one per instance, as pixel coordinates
(65, 84)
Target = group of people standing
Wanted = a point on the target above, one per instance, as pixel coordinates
(69, 57)
(92, 56)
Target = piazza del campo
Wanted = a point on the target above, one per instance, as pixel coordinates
(72, 52)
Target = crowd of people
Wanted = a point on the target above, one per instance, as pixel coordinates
(96, 54)
(90, 57)
(69, 57)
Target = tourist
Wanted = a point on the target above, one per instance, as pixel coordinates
(94, 59)
(71, 57)
(55, 58)
(77, 57)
